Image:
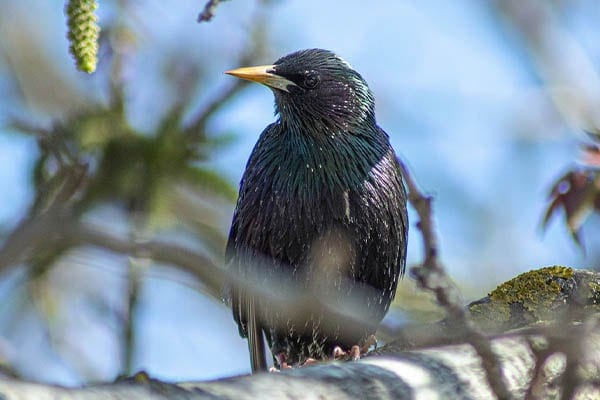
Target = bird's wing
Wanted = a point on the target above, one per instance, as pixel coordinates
(244, 305)
(245, 314)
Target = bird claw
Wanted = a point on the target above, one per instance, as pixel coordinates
(282, 367)
(338, 353)
(355, 351)
(309, 362)
(281, 361)
(370, 341)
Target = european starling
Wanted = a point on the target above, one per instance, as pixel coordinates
(321, 212)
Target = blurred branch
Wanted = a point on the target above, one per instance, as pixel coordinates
(255, 50)
(33, 232)
(135, 270)
(573, 348)
(79, 234)
(6, 371)
(572, 84)
(44, 230)
(209, 10)
(570, 75)
(542, 352)
(25, 52)
(431, 276)
(198, 126)
(45, 138)
(134, 278)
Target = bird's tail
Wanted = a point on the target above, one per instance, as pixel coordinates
(256, 343)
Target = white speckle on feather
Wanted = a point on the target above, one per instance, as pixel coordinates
(347, 204)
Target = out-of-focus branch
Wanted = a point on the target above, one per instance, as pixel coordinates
(431, 276)
(570, 76)
(197, 127)
(135, 273)
(37, 233)
(34, 231)
(255, 50)
(574, 350)
(80, 234)
(572, 84)
(542, 352)
(209, 10)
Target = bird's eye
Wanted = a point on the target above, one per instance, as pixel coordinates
(312, 80)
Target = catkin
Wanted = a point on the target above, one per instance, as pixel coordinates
(83, 33)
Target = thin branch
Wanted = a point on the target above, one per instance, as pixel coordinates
(79, 234)
(134, 278)
(136, 268)
(255, 50)
(197, 128)
(574, 348)
(431, 276)
(209, 10)
(34, 230)
(541, 352)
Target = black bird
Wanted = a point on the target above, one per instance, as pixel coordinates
(321, 213)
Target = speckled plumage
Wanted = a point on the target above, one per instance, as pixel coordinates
(322, 207)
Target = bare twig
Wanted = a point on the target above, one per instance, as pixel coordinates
(542, 352)
(135, 272)
(197, 128)
(256, 49)
(79, 234)
(209, 10)
(573, 347)
(431, 276)
(42, 223)
(135, 269)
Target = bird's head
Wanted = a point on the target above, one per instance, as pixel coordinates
(317, 89)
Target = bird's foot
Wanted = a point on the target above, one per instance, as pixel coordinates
(338, 353)
(309, 362)
(281, 361)
(341, 354)
(355, 351)
(369, 342)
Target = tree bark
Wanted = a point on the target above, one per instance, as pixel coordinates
(540, 357)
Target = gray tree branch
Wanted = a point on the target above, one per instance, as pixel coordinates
(446, 372)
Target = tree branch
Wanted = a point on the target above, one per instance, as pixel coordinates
(446, 372)
(255, 50)
(431, 276)
(79, 234)
(209, 10)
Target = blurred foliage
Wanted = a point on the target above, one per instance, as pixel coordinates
(569, 72)
(159, 183)
(577, 192)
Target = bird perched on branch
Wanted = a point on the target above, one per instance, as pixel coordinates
(318, 238)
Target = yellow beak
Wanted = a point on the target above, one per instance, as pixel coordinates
(262, 74)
